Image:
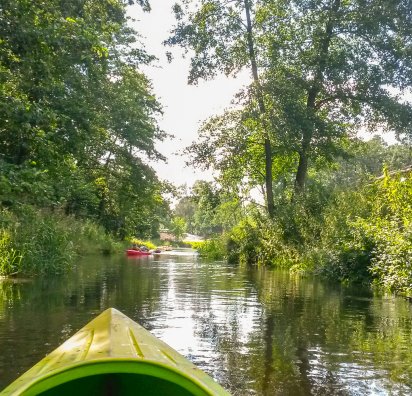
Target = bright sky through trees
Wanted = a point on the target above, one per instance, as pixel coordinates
(185, 107)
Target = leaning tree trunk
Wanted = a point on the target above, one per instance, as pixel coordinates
(262, 110)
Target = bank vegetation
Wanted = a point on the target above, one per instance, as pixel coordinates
(296, 186)
(78, 126)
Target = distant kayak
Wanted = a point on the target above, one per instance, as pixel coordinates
(112, 355)
(133, 252)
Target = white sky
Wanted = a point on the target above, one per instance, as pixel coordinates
(184, 106)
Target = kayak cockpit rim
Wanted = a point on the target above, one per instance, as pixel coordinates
(112, 367)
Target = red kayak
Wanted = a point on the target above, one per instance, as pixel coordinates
(133, 252)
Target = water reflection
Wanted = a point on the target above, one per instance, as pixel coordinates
(258, 332)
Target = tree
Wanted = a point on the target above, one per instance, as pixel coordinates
(326, 67)
(222, 37)
(333, 66)
(78, 118)
(206, 197)
(178, 227)
(185, 209)
(230, 144)
(209, 210)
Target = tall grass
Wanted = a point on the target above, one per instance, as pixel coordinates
(10, 258)
(38, 242)
(91, 238)
(42, 241)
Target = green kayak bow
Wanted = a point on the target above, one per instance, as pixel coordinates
(113, 355)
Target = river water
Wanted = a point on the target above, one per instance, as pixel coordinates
(256, 331)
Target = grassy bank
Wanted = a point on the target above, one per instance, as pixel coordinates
(36, 241)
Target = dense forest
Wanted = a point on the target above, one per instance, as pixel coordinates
(295, 185)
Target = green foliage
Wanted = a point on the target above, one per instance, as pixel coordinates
(78, 119)
(186, 208)
(326, 68)
(306, 53)
(178, 227)
(90, 238)
(35, 242)
(349, 235)
(341, 251)
(10, 259)
(389, 227)
(140, 242)
(212, 249)
(367, 240)
(206, 197)
(46, 247)
(230, 145)
(244, 243)
(208, 210)
(43, 242)
(195, 244)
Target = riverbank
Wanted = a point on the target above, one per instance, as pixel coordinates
(361, 235)
(38, 241)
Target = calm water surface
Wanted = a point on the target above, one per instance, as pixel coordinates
(256, 331)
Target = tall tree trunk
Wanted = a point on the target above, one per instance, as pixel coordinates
(262, 110)
(313, 92)
(307, 134)
(302, 170)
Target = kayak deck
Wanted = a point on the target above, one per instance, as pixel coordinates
(112, 355)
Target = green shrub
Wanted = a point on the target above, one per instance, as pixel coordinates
(44, 242)
(389, 228)
(195, 244)
(244, 242)
(89, 237)
(367, 235)
(212, 249)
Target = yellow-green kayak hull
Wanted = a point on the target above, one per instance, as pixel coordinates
(113, 355)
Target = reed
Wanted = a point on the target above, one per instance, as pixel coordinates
(36, 241)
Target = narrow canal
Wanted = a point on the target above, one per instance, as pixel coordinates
(256, 331)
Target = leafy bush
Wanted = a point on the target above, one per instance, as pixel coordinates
(195, 244)
(389, 226)
(44, 242)
(89, 237)
(354, 236)
(213, 249)
(342, 250)
(368, 235)
(244, 242)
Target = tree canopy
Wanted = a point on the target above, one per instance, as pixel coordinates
(327, 69)
(78, 118)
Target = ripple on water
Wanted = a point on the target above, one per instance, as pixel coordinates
(258, 332)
